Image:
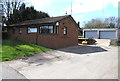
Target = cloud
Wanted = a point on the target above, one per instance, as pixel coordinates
(39, 4)
(78, 17)
(82, 6)
(115, 3)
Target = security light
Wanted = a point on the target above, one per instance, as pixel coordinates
(57, 24)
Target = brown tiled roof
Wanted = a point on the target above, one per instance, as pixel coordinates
(42, 21)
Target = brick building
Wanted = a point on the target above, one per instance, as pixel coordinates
(52, 32)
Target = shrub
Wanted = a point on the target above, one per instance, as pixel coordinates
(91, 41)
(115, 42)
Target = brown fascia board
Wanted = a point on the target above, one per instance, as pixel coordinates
(30, 25)
(52, 23)
(74, 21)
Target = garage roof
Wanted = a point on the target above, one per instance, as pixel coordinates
(101, 29)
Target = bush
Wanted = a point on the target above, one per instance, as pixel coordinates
(115, 42)
(91, 41)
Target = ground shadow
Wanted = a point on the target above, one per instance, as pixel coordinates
(83, 49)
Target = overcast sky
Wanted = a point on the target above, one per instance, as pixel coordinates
(82, 10)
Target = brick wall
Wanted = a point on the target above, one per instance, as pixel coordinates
(48, 40)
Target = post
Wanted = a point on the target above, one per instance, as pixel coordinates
(98, 34)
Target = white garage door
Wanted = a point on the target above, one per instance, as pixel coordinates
(90, 34)
(107, 34)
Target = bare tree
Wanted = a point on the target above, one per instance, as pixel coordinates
(95, 23)
(110, 22)
(10, 5)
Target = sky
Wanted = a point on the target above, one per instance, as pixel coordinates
(81, 10)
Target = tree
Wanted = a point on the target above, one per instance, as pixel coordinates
(95, 23)
(25, 13)
(118, 20)
(11, 5)
(110, 22)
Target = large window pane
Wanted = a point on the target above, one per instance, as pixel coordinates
(51, 31)
(46, 29)
(32, 30)
(50, 27)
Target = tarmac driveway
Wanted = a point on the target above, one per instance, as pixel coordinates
(77, 62)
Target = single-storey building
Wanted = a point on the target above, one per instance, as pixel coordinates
(52, 32)
(101, 33)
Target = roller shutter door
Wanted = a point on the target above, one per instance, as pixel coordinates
(107, 34)
(90, 34)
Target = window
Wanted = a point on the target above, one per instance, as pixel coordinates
(32, 30)
(65, 30)
(57, 29)
(46, 29)
(20, 30)
(51, 29)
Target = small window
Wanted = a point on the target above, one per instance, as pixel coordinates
(20, 30)
(65, 30)
(32, 30)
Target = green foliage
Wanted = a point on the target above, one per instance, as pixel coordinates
(91, 41)
(80, 36)
(25, 13)
(115, 42)
(12, 49)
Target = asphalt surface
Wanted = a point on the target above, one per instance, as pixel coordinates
(77, 62)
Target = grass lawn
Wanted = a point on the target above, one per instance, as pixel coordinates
(12, 49)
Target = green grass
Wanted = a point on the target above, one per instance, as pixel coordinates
(80, 36)
(12, 49)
